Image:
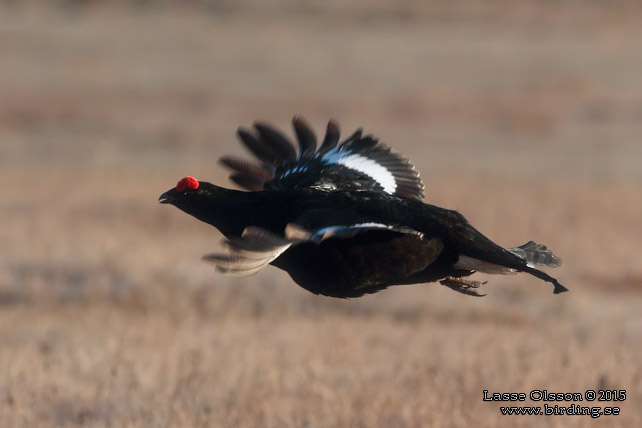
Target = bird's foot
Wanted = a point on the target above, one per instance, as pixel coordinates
(464, 286)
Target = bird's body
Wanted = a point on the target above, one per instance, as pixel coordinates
(343, 220)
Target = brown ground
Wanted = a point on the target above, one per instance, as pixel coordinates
(526, 117)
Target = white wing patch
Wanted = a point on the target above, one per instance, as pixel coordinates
(362, 164)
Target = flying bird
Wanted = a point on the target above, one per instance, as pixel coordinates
(343, 219)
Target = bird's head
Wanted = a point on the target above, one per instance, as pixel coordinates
(186, 190)
(191, 195)
(223, 208)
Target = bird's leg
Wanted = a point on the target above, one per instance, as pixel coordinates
(465, 286)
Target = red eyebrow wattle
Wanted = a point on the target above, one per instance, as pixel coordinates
(187, 183)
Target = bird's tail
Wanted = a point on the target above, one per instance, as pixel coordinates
(539, 255)
(478, 253)
(559, 288)
(531, 253)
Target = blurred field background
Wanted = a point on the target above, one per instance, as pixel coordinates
(525, 116)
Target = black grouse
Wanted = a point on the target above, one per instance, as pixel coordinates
(343, 219)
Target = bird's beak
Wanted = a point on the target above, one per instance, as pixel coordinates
(166, 198)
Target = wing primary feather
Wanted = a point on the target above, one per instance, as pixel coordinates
(258, 148)
(305, 136)
(250, 252)
(259, 234)
(246, 167)
(247, 181)
(332, 134)
(356, 135)
(277, 141)
(357, 143)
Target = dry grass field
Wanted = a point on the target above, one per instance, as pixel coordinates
(525, 116)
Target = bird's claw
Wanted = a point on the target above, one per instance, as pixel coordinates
(464, 286)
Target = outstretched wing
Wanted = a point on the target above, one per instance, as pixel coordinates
(250, 252)
(358, 163)
(339, 261)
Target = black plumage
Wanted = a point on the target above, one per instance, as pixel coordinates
(343, 220)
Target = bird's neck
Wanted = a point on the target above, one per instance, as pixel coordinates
(231, 211)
